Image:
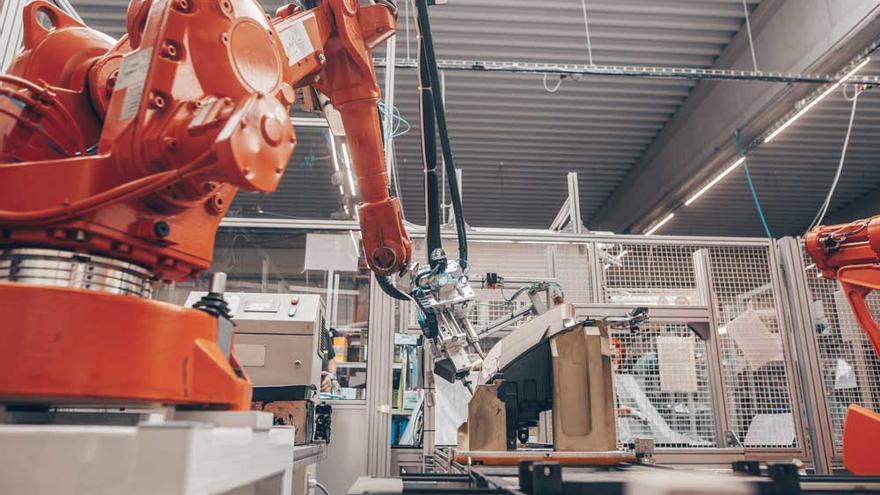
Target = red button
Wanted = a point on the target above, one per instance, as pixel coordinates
(294, 300)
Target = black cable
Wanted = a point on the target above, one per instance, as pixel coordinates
(427, 44)
(389, 288)
(429, 158)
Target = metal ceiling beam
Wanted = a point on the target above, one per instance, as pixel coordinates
(798, 35)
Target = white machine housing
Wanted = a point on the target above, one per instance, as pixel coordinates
(277, 336)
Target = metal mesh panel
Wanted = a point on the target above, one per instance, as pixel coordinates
(756, 381)
(648, 274)
(850, 369)
(662, 383)
(490, 307)
(752, 350)
(573, 268)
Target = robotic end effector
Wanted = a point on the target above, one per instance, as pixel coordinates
(445, 297)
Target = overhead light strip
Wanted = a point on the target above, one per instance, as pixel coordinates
(660, 224)
(769, 138)
(816, 100)
(714, 181)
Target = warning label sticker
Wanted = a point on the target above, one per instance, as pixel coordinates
(295, 39)
(132, 75)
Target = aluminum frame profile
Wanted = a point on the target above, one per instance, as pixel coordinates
(569, 216)
(803, 324)
(790, 350)
(490, 234)
(379, 381)
(714, 355)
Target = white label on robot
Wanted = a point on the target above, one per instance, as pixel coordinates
(295, 39)
(132, 75)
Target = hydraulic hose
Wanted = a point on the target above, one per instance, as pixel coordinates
(429, 158)
(430, 61)
(388, 287)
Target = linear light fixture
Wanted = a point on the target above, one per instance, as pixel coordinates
(714, 181)
(659, 224)
(815, 101)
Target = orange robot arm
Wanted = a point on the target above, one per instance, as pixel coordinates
(135, 150)
(118, 161)
(851, 254)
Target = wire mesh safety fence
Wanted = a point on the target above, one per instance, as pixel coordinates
(663, 387)
(648, 274)
(755, 378)
(756, 375)
(736, 388)
(733, 390)
(849, 367)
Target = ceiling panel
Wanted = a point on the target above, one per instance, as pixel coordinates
(515, 140)
(793, 173)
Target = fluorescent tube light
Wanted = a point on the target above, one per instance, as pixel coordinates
(813, 103)
(714, 181)
(659, 224)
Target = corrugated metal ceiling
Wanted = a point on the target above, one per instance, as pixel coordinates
(515, 141)
(793, 173)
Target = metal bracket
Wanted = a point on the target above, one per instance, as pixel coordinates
(569, 217)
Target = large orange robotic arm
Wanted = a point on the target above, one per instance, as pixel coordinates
(135, 150)
(850, 253)
(118, 161)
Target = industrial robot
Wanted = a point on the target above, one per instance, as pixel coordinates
(850, 253)
(118, 160)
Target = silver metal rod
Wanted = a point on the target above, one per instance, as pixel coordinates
(749, 31)
(218, 282)
(500, 323)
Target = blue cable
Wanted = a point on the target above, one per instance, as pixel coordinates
(742, 154)
(400, 126)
